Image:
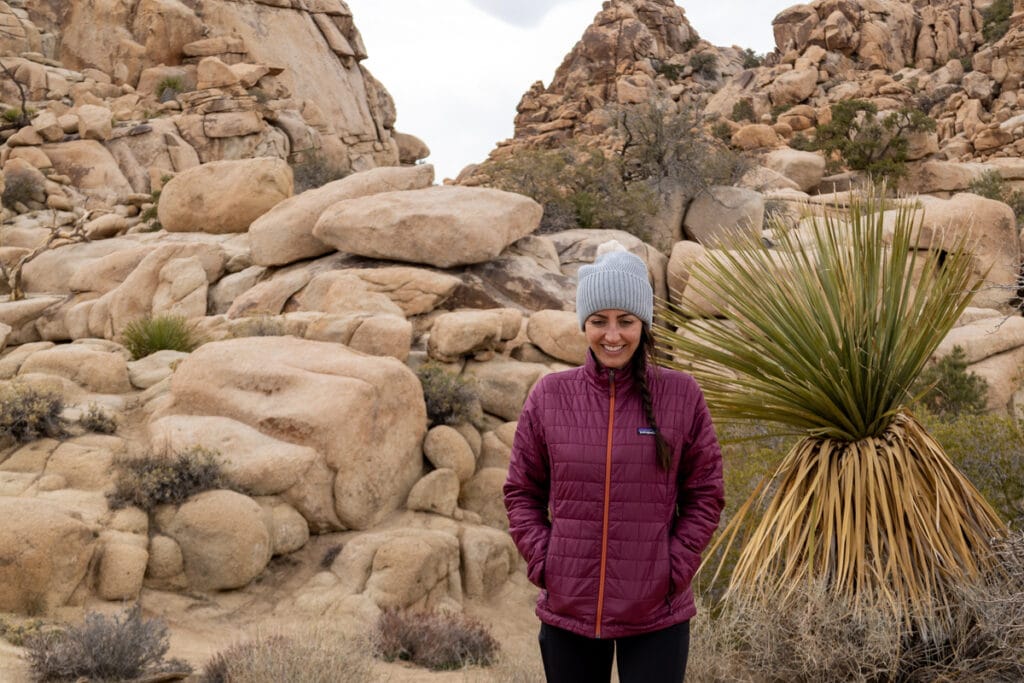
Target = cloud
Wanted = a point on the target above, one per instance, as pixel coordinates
(522, 13)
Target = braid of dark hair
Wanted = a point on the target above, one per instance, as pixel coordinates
(639, 369)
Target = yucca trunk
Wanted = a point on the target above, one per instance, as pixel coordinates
(884, 519)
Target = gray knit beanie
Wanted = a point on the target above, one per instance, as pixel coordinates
(616, 280)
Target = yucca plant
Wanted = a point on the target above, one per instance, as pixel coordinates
(823, 337)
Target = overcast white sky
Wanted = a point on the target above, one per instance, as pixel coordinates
(457, 68)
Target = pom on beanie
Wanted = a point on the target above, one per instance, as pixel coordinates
(617, 280)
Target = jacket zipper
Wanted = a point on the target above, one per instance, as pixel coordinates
(607, 502)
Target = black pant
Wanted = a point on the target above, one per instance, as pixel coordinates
(656, 657)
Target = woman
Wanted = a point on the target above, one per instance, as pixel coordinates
(613, 491)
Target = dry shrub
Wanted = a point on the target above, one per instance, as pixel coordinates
(434, 640)
(816, 636)
(320, 655)
(450, 399)
(151, 481)
(118, 648)
(97, 419)
(28, 413)
(21, 187)
(17, 633)
(316, 170)
(260, 325)
(985, 641)
(812, 636)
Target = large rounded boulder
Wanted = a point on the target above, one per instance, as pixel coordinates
(224, 196)
(443, 226)
(364, 415)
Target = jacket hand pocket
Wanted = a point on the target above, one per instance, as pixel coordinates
(684, 564)
(535, 568)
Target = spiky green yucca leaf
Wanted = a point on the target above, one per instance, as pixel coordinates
(824, 335)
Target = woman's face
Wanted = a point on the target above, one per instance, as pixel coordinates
(613, 336)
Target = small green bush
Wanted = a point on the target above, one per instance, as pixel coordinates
(948, 389)
(147, 335)
(722, 131)
(578, 188)
(751, 59)
(98, 420)
(119, 648)
(316, 171)
(20, 186)
(436, 641)
(672, 72)
(152, 481)
(314, 657)
(988, 449)
(743, 110)
(150, 215)
(704, 64)
(18, 117)
(802, 142)
(662, 143)
(865, 141)
(169, 88)
(991, 185)
(996, 20)
(28, 413)
(780, 109)
(450, 398)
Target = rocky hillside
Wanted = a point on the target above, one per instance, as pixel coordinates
(180, 83)
(932, 55)
(152, 159)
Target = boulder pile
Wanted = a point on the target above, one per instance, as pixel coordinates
(160, 172)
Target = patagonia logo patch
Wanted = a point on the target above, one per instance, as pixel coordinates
(646, 431)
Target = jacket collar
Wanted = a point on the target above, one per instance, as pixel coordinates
(598, 375)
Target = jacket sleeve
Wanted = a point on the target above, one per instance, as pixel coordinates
(700, 496)
(526, 492)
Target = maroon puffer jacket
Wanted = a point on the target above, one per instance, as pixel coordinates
(624, 537)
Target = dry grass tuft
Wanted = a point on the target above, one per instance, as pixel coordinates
(319, 655)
